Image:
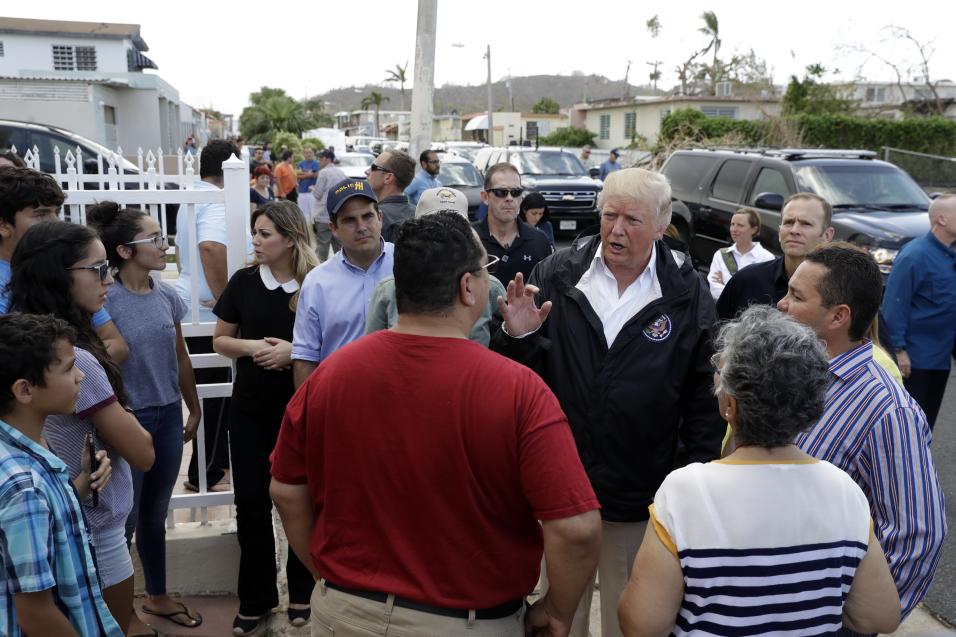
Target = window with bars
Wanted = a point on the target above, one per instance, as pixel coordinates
(719, 111)
(630, 120)
(74, 58)
(605, 128)
(1, 49)
(62, 58)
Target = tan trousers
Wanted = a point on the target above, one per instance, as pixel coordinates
(339, 614)
(619, 544)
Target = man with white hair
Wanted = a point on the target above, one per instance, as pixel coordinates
(920, 307)
(620, 327)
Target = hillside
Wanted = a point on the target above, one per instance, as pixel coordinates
(564, 89)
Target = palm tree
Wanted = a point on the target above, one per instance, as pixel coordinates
(374, 99)
(712, 30)
(272, 114)
(398, 75)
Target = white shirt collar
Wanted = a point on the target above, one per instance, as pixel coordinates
(649, 271)
(269, 280)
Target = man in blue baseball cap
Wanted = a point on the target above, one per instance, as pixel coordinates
(334, 298)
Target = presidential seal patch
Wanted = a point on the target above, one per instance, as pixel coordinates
(659, 330)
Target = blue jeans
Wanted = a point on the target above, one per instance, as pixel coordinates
(152, 490)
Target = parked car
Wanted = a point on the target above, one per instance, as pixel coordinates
(47, 139)
(459, 173)
(560, 177)
(875, 204)
(468, 150)
(354, 165)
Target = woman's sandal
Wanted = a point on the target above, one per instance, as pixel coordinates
(242, 626)
(189, 622)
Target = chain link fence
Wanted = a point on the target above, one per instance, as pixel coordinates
(935, 173)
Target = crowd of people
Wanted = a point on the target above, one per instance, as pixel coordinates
(449, 415)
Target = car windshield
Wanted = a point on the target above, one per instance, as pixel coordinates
(466, 152)
(455, 175)
(362, 161)
(862, 185)
(537, 163)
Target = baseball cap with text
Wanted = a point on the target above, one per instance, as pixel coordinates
(442, 199)
(345, 190)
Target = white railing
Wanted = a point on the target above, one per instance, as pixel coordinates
(147, 186)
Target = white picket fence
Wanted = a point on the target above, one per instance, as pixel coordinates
(147, 186)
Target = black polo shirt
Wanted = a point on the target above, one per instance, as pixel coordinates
(530, 246)
(758, 284)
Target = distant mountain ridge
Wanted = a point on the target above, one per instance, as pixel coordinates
(566, 90)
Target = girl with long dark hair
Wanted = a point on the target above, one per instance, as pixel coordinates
(61, 269)
(158, 375)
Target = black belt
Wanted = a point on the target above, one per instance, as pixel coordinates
(496, 612)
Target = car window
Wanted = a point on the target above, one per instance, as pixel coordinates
(10, 137)
(770, 180)
(729, 183)
(685, 172)
(359, 161)
(861, 184)
(455, 175)
(46, 144)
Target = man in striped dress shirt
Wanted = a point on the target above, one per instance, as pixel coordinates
(871, 427)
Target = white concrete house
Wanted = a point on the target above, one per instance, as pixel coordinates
(90, 78)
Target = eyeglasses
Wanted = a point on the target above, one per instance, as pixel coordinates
(103, 269)
(160, 241)
(492, 262)
(715, 362)
(432, 161)
(375, 167)
(501, 193)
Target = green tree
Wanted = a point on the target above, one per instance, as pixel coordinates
(374, 99)
(272, 110)
(398, 75)
(315, 111)
(813, 96)
(546, 105)
(572, 137)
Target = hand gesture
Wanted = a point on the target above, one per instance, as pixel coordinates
(276, 356)
(520, 314)
(192, 424)
(717, 277)
(539, 621)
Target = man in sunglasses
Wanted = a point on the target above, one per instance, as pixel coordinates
(519, 246)
(29, 197)
(389, 176)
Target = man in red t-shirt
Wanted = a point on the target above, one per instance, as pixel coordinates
(413, 467)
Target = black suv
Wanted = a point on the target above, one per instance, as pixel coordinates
(875, 204)
(563, 181)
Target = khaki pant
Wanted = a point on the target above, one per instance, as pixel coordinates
(338, 614)
(619, 544)
(325, 244)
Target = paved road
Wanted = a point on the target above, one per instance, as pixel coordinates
(942, 595)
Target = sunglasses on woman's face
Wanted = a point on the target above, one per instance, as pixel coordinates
(103, 269)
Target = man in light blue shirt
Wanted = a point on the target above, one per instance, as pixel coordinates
(334, 299)
(426, 178)
(610, 165)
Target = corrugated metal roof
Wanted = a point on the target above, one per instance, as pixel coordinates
(47, 78)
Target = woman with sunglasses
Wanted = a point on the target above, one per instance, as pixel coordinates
(62, 269)
(256, 313)
(158, 375)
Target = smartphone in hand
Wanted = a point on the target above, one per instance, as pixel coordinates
(93, 466)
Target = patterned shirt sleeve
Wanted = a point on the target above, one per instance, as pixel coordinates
(26, 538)
(899, 477)
(95, 389)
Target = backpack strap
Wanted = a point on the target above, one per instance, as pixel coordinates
(727, 255)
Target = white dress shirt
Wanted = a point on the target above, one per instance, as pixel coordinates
(757, 254)
(600, 288)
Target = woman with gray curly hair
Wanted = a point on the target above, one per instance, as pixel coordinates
(768, 540)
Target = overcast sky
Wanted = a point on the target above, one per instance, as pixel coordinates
(216, 53)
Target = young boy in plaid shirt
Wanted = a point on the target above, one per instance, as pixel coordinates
(49, 584)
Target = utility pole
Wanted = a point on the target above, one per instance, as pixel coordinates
(491, 128)
(424, 87)
(511, 97)
(626, 73)
(655, 75)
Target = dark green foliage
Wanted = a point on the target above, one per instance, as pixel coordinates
(573, 137)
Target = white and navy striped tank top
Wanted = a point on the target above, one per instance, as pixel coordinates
(765, 548)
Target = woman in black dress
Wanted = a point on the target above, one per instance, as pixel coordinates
(256, 313)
